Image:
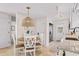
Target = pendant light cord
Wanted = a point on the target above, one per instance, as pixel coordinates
(28, 10)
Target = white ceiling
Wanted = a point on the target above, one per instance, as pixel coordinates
(37, 9)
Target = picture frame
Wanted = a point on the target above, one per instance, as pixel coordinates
(60, 29)
(12, 28)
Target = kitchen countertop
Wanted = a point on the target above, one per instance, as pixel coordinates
(67, 45)
(73, 50)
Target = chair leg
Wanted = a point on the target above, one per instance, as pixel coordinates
(25, 52)
(34, 52)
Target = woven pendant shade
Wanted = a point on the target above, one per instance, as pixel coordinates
(27, 21)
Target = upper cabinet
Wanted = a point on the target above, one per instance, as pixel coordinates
(75, 16)
(75, 20)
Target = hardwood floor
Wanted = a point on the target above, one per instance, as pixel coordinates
(43, 52)
(6, 51)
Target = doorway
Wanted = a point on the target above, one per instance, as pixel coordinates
(50, 32)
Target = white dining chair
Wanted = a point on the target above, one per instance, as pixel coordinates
(30, 45)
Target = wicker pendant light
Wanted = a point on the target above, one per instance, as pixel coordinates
(27, 21)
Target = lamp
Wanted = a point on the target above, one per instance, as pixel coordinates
(27, 21)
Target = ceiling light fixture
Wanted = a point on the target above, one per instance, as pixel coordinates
(28, 21)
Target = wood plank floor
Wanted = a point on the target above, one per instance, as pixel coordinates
(43, 52)
(6, 51)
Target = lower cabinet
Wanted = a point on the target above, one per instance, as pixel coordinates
(68, 53)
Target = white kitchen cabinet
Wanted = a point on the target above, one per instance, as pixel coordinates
(68, 53)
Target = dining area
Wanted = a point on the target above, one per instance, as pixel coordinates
(28, 43)
(32, 46)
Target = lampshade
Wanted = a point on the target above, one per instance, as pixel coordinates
(27, 21)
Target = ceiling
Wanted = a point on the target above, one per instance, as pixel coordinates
(37, 9)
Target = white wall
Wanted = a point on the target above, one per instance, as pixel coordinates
(4, 30)
(19, 28)
(41, 26)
